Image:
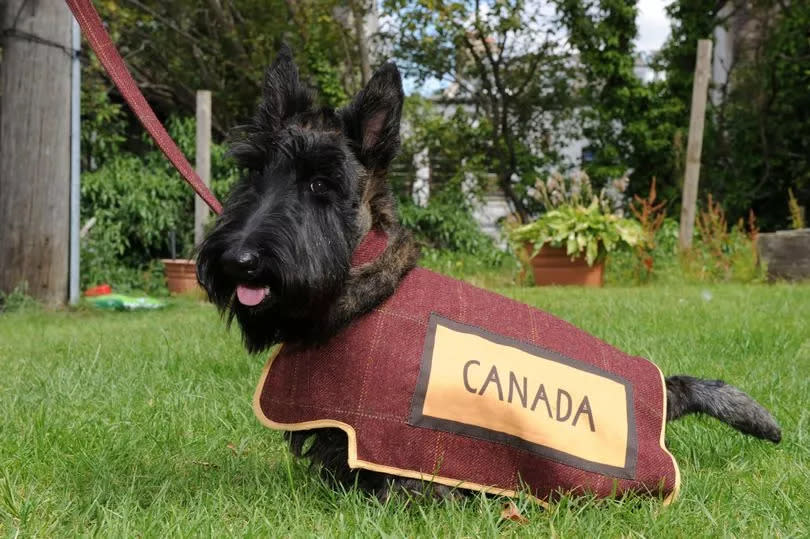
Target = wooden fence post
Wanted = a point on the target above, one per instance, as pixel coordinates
(35, 148)
(203, 161)
(694, 147)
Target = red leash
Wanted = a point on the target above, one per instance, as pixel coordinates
(102, 45)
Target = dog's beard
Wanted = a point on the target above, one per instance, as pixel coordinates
(299, 312)
(302, 285)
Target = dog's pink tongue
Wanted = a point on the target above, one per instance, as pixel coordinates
(250, 296)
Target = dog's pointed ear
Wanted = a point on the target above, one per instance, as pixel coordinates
(371, 121)
(283, 94)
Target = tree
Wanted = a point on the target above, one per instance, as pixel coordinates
(175, 48)
(691, 20)
(359, 12)
(759, 146)
(629, 123)
(506, 70)
(757, 137)
(34, 148)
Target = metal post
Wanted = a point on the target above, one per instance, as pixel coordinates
(75, 164)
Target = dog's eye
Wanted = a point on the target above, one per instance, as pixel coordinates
(319, 187)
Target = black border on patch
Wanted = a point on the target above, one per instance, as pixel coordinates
(418, 419)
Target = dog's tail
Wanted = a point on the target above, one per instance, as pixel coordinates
(688, 395)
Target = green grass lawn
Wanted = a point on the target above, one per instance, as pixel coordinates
(140, 424)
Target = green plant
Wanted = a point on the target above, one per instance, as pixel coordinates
(103, 121)
(479, 271)
(580, 229)
(720, 252)
(650, 215)
(453, 145)
(136, 201)
(557, 191)
(224, 46)
(796, 213)
(100, 264)
(17, 300)
(755, 144)
(577, 218)
(629, 122)
(447, 225)
(518, 97)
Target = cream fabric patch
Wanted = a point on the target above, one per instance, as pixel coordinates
(476, 383)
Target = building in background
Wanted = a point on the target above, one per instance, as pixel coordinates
(492, 206)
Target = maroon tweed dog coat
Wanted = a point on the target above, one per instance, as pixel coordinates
(453, 384)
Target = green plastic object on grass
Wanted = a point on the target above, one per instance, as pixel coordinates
(119, 302)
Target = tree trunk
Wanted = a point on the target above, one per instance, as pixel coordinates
(359, 18)
(505, 181)
(35, 147)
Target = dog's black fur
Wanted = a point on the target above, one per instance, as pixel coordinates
(315, 183)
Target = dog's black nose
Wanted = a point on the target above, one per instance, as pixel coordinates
(248, 260)
(241, 263)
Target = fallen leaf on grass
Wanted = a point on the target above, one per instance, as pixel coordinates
(205, 464)
(511, 512)
(237, 451)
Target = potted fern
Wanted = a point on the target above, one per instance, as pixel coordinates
(568, 244)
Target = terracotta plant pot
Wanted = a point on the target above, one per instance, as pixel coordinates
(552, 266)
(181, 275)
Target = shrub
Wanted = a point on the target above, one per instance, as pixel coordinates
(576, 190)
(627, 266)
(650, 215)
(447, 224)
(719, 253)
(471, 268)
(723, 253)
(578, 219)
(17, 300)
(136, 201)
(796, 212)
(581, 230)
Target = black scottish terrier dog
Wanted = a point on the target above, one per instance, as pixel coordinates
(279, 257)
